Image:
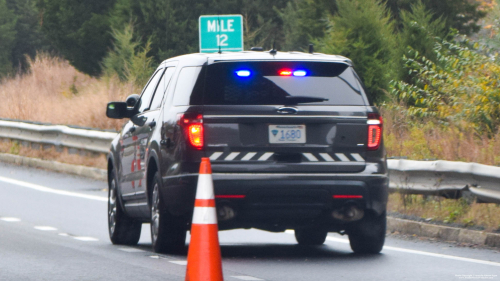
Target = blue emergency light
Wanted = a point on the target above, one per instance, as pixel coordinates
(243, 73)
(300, 73)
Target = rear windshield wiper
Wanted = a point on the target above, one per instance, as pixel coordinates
(302, 99)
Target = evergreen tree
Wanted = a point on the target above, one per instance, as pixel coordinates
(7, 37)
(79, 30)
(304, 21)
(419, 32)
(458, 14)
(363, 31)
(172, 25)
(128, 60)
(29, 37)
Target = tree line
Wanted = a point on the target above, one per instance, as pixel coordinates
(126, 37)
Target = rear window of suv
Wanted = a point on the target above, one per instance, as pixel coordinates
(278, 83)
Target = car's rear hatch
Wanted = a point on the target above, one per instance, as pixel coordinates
(284, 117)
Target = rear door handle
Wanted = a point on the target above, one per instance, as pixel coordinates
(152, 124)
(131, 130)
(166, 142)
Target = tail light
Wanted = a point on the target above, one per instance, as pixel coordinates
(375, 123)
(192, 125)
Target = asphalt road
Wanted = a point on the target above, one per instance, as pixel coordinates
(54, 227)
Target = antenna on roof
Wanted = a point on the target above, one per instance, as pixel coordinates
(311, 49)
(273, 51)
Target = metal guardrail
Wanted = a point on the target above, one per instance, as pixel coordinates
(57, 135)
(443, 178)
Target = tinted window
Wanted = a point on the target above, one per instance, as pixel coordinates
(278, 83)
(147, 93)
(162, 88)
(185, 84)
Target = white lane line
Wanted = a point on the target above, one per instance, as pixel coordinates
(179, 262)
(85, 238)
(403, 250)
(246, 278)
(154, 257)
(45, 228)
(10, 219)
(416, 252)
(64, 234)
(51, 190)
(131, 250)
(441, 256)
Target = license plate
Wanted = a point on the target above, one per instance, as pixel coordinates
(287, 134)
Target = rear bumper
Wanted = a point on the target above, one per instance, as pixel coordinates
(281, 201)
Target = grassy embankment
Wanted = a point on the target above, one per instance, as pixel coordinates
(55, 92)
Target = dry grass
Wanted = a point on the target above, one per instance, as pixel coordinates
(55, 92)
(54, 155)
(447, 210)
(431, 141)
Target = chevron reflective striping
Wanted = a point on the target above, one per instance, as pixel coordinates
(342, 157)
(326, 157)
(215, 156)
(249, 156)
(310, 157)
(231, 156)
(357, 157)
(266, 156)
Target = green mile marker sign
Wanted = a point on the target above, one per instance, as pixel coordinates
(222, 32)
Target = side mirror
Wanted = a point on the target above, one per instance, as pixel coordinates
(132, 100)
(119, 110)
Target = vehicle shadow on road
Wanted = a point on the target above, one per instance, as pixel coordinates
(277, 251)
(289, 252)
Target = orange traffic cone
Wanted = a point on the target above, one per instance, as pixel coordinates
(204, 258)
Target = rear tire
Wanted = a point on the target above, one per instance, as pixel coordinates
(122, 229)
(310, 236)
(368, 236)
(168, 233)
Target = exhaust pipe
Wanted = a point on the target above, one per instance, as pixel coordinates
(348, 213)
(225, 212)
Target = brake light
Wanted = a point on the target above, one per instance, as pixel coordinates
(375, 123)
(195, 133)
(192, 125)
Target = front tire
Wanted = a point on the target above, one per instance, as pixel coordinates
(368, 236)
(168, 233)
(310, 236)
(122, 229)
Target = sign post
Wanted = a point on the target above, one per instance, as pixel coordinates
(221, 33)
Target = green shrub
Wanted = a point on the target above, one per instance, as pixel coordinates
(364, 32)
(128, 60)
(459, 88)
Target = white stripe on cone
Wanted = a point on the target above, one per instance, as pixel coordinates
(204, 215)
(205, 188)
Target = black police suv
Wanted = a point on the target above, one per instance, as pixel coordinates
(293, 141)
